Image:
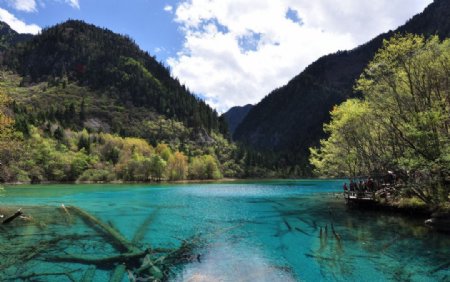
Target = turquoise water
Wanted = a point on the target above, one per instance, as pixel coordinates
(264, 231)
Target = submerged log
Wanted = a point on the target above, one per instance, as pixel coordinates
(14, 216)
(30, 252)
(102, 262)
(118, 273)
(88, 276)
(32, 276)
(110, 233)
(140, 233)
(336, 235)
(301, 231)
(287, 224)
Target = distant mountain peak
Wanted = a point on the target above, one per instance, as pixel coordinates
(235, 115)
(10, 37)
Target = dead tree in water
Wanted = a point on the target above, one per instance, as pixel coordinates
(14, 216)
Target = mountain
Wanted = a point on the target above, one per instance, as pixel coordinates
(89, 105)
(290, 119)
(112, 66)
(9, 37)
(235, 115)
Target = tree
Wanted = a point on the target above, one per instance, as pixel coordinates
(6, 121)
(402, 123)
(84, 141)
(82, 114)
(164, 151)
(204, 167)
(157, 167)
(177, 166)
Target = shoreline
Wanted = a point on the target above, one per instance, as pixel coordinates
(123, 182)
(186, 181)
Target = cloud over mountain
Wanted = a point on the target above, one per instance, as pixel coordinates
(237, 51)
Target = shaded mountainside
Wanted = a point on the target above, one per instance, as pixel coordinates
(110, 64)
(235, 115)
(9, 37)
(290, 119)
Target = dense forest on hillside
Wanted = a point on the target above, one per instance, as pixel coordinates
(85, 104)
(111, 64)
(289, 120)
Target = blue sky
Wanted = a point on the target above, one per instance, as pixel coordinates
(229, 52)
(144, 20)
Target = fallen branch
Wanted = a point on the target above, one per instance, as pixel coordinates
(287, 224)
(33, 275)
(140, 233)
(301, 231)
(30, 252)
(336, 235)
(88, 275)
(118, 273)
(110, 233)
(441, 267)
(102, 262)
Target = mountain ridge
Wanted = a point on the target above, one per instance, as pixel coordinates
(290, 119)
(108, 63)
(9, 37)
(235, 115)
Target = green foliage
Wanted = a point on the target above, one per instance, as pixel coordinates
(157, 167)
(112, 65)
(204, 167)
(289, 120)
(100, 157)
(403, 122)
(177, 166)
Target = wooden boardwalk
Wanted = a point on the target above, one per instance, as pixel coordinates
(359, 197)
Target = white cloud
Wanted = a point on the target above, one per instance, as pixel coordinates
(237, 51)
(31, 5)
(23, 5)
(74, 3)
(168, 8)
(16, 24)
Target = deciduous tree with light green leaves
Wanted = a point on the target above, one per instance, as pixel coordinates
(401, 123)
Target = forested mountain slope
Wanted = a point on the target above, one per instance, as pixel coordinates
(110, 64)
(9, 37)
(82, 103)
(290, 119)
(235, 116)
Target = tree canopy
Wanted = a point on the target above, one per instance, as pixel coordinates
(402, 122)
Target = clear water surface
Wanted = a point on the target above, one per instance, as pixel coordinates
(253, 231)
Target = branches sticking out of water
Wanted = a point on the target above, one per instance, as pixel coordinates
(14, 216)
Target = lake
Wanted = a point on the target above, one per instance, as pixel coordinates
(249, 231)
